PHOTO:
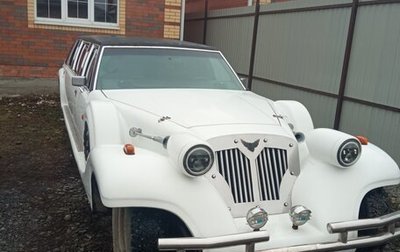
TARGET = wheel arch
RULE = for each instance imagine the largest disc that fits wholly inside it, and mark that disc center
(103, 121)
(296, 114)
(346, 187)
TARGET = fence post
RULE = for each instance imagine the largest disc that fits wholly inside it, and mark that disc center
(205, 21)
(253, 44)
(345, 66)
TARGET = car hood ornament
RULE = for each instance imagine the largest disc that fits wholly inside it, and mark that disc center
(250, 146)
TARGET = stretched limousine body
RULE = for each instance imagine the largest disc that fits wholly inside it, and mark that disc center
(165, 135)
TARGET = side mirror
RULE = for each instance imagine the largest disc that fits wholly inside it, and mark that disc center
(78, 81)
(245, 82)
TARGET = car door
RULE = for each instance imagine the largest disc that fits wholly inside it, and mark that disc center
(70, 71)
(76, 67)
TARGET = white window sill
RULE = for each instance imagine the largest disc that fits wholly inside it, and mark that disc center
(110, 26)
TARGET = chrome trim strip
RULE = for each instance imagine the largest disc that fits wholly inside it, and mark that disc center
(342, 228)
(339, 227)
(182, 244)
(370, 241)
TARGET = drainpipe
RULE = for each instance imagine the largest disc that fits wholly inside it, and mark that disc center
(182, 20)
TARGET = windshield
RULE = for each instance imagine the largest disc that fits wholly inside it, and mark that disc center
(138, 68)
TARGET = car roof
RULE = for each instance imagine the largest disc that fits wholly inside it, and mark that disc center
(137, 41)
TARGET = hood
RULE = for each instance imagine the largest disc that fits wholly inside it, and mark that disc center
(195, 107)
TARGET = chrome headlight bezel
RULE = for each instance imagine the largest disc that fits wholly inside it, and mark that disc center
(299, 215)
(257, 217)
(349, 147)
(191, 151)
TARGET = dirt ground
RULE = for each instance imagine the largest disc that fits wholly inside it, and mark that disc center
(43, 206)
(42, 202)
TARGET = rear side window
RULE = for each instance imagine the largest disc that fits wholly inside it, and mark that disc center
(71, 54)
(82, 59)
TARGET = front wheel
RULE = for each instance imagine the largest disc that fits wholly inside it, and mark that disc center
(375, 203)
(138, 229)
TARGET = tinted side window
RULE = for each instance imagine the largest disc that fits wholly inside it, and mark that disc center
(71, 54)
(80, 61)
(75, 56)
(89, 67)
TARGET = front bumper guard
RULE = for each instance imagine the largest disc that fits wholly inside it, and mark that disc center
(386, 224)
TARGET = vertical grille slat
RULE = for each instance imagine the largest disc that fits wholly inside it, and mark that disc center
(234, 166)
(271, 165)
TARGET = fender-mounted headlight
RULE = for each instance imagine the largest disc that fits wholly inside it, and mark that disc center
(334, 147)
(198, 160)
(349, 152)
(191, 155)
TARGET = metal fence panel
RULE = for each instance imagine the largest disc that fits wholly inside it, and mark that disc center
(321, 108)
(231, 11)
(374, 72)
(304, 49)
(379, 126)
(194, 31)
(300, 52)
(238, 31)
(290, 5)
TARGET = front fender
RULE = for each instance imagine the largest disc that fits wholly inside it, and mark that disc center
(148, 179)
(335, 194)
(105, 123)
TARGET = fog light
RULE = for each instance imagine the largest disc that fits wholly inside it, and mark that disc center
(299, 216)
(257, 218)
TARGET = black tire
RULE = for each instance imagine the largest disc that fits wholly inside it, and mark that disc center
(98, 208)
(375, 203)
(138, 229)
(86, 141)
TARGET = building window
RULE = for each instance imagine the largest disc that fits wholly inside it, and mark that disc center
(78, 8)
(48, 8)
(105, 11)
(102, 13)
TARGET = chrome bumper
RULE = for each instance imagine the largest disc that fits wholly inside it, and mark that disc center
(386, 223)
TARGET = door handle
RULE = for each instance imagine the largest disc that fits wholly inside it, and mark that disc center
(75, 92)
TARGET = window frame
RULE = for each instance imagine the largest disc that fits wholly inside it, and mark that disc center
(80, 22)
(103, 48)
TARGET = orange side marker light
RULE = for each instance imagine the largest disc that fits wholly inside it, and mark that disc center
(129, 149)
(363, 140)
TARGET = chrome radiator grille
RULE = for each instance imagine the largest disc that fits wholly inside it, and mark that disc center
(234, 166)
(271, 165)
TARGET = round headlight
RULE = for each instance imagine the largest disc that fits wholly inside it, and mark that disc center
(349, 152)
(198, 160)
(257, 217)
(299, 215)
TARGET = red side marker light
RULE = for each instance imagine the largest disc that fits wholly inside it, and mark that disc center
(129, 149)
(363, 140)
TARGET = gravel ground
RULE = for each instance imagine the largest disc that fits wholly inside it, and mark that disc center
(43, 206)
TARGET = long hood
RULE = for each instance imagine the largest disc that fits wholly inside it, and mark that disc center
(192, 108)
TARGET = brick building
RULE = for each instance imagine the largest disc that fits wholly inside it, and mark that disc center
(36, 35)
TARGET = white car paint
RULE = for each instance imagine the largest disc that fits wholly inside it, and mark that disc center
(151, 178)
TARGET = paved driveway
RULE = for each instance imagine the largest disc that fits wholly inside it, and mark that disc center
(19, 87)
